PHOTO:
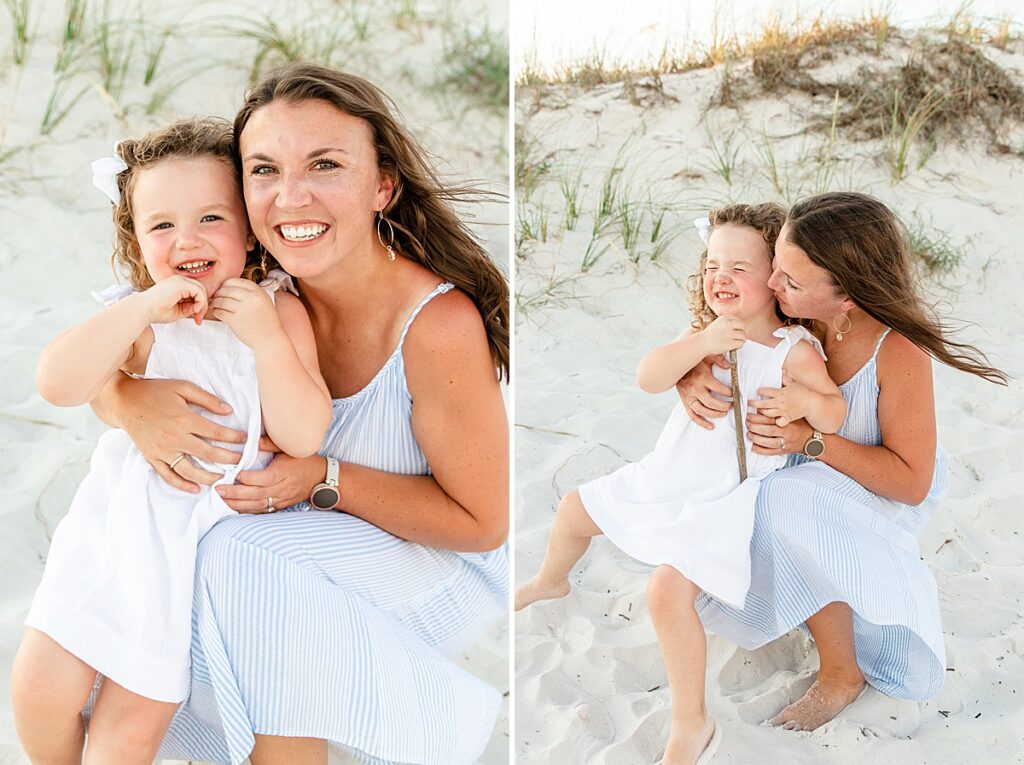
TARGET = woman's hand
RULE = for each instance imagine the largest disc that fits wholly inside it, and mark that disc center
(285, 481)
(695, 390)
(157, 417)
(771, 439)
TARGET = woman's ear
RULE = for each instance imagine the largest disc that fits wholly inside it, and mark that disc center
(847, 305)
(385, 187)
(250, 241)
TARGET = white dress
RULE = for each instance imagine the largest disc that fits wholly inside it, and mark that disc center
(117, 588)
(683, 504)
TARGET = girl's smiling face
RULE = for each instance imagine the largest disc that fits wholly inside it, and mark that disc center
(312, 184)
(190, 221)
(736, 272)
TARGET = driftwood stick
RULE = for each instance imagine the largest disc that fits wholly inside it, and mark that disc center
(737, 410)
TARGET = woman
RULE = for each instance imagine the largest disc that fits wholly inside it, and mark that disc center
(835, 536)
(319, 626)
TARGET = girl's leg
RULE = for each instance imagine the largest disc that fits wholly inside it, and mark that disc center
(126, 728)
(839, 681)
(49, 688)
(271, 750)
(670, 600)
(569, 539)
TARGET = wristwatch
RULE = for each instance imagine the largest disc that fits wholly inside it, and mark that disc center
(326, 495)
(815, 445)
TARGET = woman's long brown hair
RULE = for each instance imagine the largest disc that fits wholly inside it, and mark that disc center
(864, 246)
(427, 229)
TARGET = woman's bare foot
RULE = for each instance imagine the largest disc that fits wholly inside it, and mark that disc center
(687, 744)
(535, 590)
(826, 698)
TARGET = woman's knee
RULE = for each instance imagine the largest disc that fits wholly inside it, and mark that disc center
(667, 590)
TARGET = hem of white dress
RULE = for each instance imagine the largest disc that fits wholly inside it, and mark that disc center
(110, 655)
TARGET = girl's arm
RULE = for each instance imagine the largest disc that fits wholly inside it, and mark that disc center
(293, 396)
(460, 424)
(77, 364)
(663, 367)
(902, 467)
(807, 392)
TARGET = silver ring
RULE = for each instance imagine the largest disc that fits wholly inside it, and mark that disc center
(176, 460)
(270, 505)
(782, 443)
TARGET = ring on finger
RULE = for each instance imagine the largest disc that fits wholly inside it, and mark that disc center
(270, 505)
(782, 443)
(176, 460)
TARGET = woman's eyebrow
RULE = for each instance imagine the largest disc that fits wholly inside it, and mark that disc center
(311, 155)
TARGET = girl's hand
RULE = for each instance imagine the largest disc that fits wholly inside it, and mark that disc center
(177, 297)
(695, 390)
(785, 404)
(157, 417)
(246, 308)
(769, 438)
(726, 333)
(284, 482)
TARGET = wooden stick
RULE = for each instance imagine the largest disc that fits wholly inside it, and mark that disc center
(737, 410)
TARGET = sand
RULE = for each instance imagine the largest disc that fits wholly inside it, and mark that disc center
(58, 230)
(589, 681)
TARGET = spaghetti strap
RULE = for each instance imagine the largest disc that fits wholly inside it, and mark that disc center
(878, 345)
(440, 289)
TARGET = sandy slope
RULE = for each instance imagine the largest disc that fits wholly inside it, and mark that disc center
(58, 231)
(589, 681)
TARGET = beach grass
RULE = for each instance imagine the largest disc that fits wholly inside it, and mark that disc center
(475, 62)
(18, 10)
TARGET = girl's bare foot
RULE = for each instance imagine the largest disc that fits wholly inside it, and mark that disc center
(826, 698)
(535, 590)
(691, 745)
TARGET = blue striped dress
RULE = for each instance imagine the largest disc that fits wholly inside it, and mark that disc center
(820, 537)
(318, 624)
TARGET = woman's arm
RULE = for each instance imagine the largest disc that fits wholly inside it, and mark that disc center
(901, 468)
(664, 366)
(459, 421)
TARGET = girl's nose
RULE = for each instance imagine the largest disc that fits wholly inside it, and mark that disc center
(187, 239)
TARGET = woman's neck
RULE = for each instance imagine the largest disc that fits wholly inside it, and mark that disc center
(348, 284)
(860, 327)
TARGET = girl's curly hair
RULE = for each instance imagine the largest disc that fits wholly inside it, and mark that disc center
(766, 218)
(187, 138)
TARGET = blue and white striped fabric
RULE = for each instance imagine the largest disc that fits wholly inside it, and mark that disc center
(821, 537)
(321, 625)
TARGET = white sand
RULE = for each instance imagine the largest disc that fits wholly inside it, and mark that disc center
(58, 230)
(590, 684)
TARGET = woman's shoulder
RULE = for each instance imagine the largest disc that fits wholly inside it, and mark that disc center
(448, 319)
(898, 355)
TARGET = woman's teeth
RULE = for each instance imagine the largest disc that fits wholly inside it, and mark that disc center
(195, 266)
(302, 233)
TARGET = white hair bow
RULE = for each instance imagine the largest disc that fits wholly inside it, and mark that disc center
(104, 175)
(703, 226)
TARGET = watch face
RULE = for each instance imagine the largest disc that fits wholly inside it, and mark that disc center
(814, 448)
(324, 497)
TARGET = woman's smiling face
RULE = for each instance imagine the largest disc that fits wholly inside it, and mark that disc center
(312, 184)
(804, 289)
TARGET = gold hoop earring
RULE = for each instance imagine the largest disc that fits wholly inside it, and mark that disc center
(390, 246)
(263, 261)
(845, 330)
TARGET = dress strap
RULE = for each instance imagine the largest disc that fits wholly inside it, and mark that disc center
(440, 289)
(878, 345)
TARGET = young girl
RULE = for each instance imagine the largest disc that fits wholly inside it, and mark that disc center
(116, 595)
(683, 507)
